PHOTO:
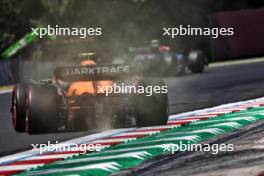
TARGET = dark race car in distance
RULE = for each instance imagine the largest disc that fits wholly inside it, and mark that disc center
(161, 60)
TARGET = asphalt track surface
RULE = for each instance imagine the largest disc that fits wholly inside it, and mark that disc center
(217, 86)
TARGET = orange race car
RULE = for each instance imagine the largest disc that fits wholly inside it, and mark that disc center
(77, 98)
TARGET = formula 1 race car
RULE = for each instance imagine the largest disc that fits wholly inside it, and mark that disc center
(46, 106)
(163, 61)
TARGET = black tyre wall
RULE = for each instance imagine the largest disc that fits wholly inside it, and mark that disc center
(42, 115)
(196, 61)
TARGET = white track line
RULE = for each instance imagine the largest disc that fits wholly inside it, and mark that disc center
(18, 167)
(43, 157)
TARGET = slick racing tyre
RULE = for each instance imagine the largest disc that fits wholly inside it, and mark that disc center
(42, 109)
(151, 110)
(197, 61)
(18, 108)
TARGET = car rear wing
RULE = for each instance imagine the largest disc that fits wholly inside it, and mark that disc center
(95, 72)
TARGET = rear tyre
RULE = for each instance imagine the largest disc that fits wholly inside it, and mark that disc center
(152, 110)
(42, 109)
(197, 62)
(18, 108)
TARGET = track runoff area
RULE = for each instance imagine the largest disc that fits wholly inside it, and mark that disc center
(126, 148)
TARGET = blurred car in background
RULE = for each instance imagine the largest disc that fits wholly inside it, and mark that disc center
(162, 60)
